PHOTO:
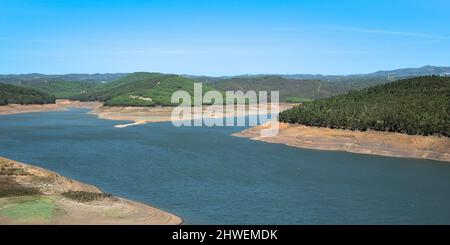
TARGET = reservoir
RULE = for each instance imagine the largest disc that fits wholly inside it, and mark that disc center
(207, 176)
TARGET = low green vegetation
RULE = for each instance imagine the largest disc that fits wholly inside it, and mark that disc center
(129, 100)
(29, 208)
(418, 105)
(11, 94)
(83, 196)
(297, 100)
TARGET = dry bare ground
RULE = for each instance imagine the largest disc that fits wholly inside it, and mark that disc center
(32, 195)
(60, 105)
(368, 142)
(141, 115)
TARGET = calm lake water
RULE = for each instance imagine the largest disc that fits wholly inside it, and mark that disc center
(207, 176)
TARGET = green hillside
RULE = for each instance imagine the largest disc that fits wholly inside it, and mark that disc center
(418, 105)
(141, 89)
(63, 89)
(290, 89)
(11, 94)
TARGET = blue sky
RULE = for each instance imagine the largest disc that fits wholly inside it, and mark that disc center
(222, 37)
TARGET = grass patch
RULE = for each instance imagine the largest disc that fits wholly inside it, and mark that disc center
(113, 213)
(297, 100)
(29, 208)
(84, 196)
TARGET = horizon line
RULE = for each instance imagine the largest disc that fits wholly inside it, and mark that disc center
(235, 75)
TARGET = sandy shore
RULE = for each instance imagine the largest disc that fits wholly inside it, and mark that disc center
(138, 115)
(32, 195)
(130, 124)
(142, 115)
(60, 105)
(369, 142)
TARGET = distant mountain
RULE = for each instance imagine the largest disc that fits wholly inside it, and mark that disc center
(295, 88)
(36, 77)
(108, 77)
(301, 87)
(291, 90)
(389, 74)
(11, 94)
(419, 105)
(413, 72)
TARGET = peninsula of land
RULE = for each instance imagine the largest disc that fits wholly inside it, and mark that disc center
(405, 118)
(142, 115)
(32, 195)
(367, 142)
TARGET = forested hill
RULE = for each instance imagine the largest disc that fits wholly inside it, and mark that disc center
(11, 94)
(141, 89)
(418, 105)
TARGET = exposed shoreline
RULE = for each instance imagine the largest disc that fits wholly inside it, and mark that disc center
(368, 142)
(60, 105)
(137, 115)
(48, 188)
(142, 115)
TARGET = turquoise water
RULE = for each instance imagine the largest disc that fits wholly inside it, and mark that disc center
(207, 176)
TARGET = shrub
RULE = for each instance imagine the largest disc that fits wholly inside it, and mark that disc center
(84, 196)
